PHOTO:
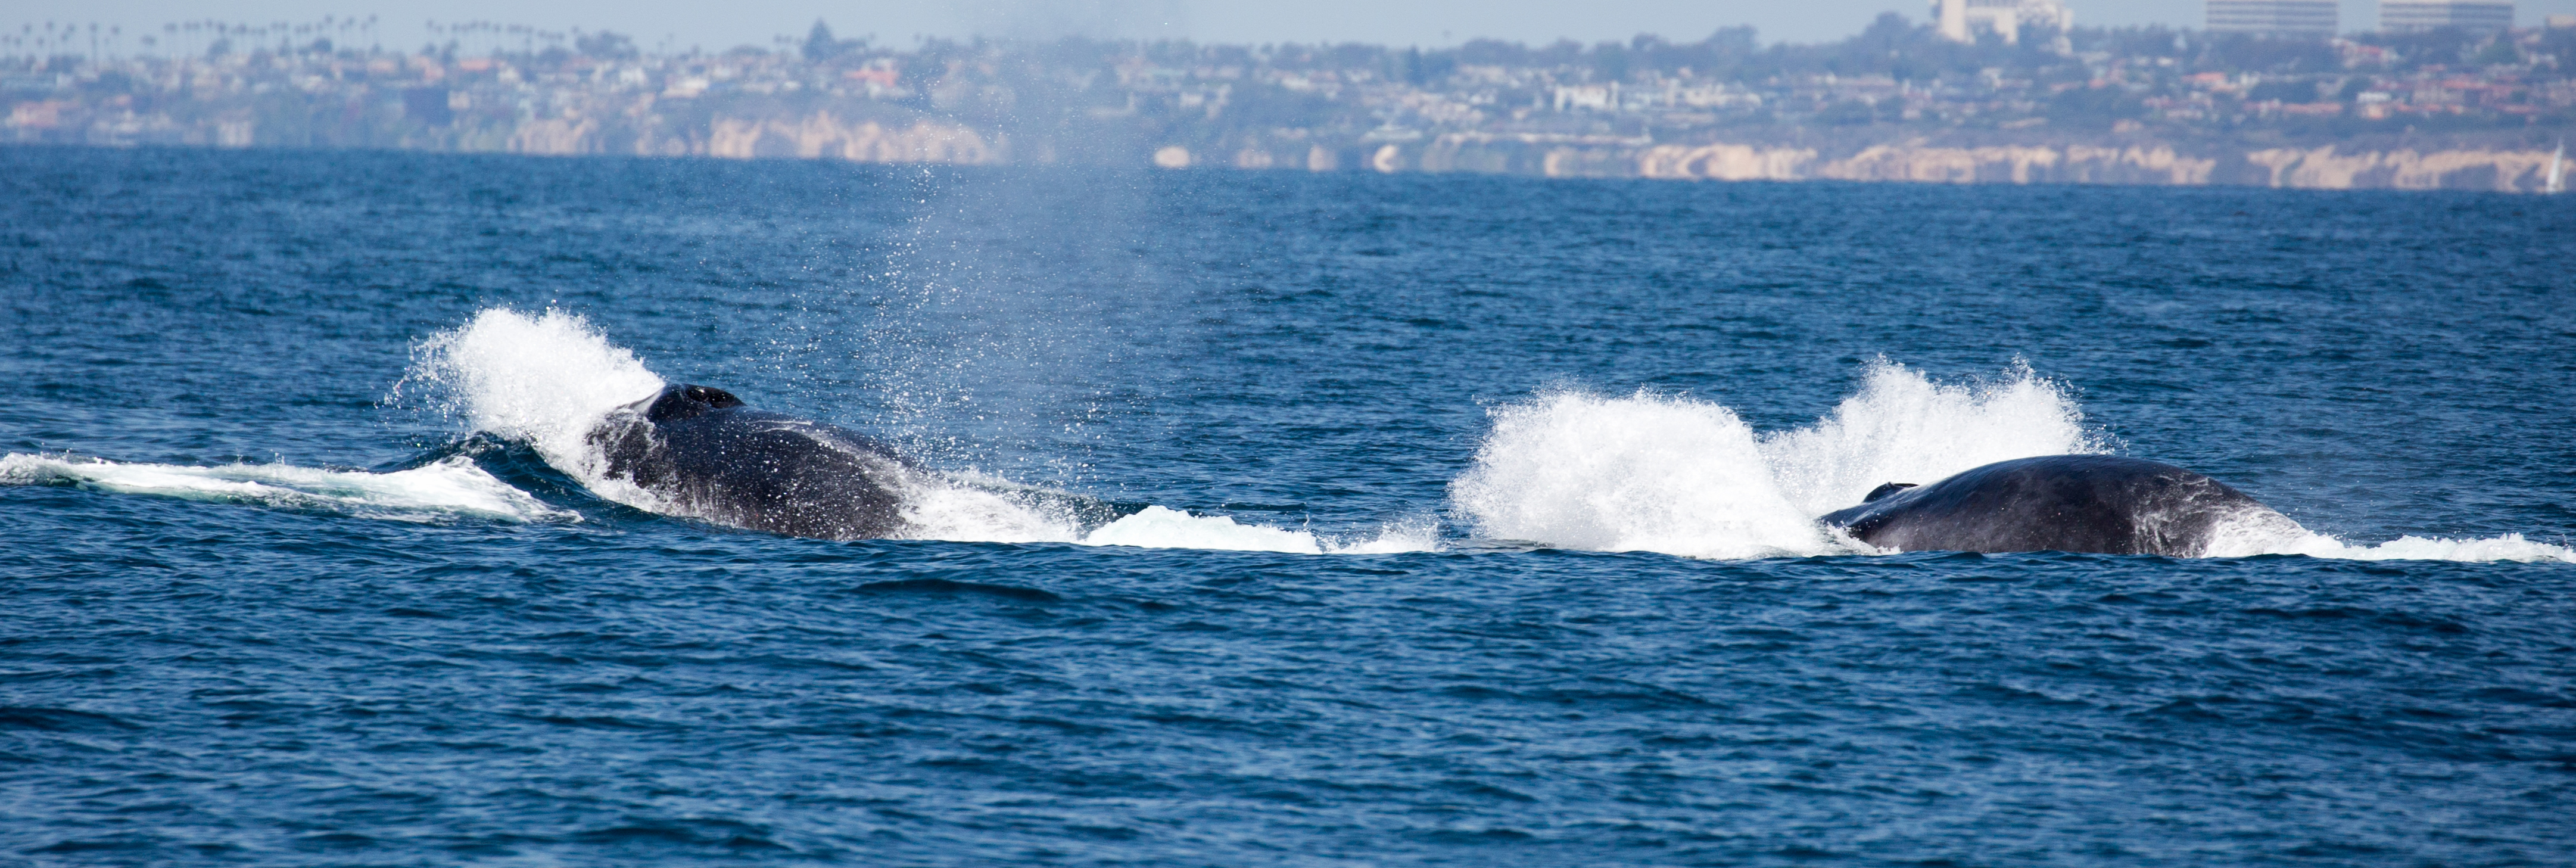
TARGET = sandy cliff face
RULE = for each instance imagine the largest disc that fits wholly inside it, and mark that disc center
(555, 136)
(1921, 161)
(818, 136)
(1725, 163)
(2324, 168)
(2019, 164)
(1929, 160)
(821, 135)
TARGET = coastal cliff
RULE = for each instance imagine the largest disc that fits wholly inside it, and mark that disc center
(820, 135)
(1898, 102)
(2328, 167)
(865, 133)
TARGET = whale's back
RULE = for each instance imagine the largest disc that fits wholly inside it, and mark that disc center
(704, 454)
(2075, 503)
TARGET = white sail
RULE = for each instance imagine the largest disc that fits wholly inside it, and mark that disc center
(2557, 170)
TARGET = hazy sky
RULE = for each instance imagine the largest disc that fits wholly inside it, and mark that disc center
(719, 25)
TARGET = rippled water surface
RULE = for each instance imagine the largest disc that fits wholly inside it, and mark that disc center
(1283, 519)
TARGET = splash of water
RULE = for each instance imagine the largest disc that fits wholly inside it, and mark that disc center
(1645, 472)
(1902, 426)
(543, 380)
(1685, 476)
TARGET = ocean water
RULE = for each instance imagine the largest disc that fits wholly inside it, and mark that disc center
(1267, 519)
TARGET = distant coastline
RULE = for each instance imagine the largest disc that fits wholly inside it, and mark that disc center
(2442, 110)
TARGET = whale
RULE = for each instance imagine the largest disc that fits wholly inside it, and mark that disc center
(699, 451)
(2070, 503)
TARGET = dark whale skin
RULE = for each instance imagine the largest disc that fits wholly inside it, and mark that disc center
(2068, 503)
(706, 455)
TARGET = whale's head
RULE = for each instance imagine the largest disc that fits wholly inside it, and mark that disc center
(680, 401)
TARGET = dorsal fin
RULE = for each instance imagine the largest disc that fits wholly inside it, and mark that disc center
(711, 396)
(689, 401)
(1884, 490)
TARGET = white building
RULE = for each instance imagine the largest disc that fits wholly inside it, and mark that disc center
(2294, 18)
(2485, 16)
(1597, 97)
(1960, 20)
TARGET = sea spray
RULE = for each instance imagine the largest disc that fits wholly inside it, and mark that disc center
(1646, 472)
(1902, 426)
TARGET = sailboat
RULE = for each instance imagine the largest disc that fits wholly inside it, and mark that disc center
(2557, 181)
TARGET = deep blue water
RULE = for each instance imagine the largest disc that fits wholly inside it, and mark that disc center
(334, 676)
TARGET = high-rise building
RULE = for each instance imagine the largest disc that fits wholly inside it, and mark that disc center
(2295, 18)
(1959, 20)
(2484, 16)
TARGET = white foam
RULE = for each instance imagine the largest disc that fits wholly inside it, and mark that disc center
(449, 488)
(2509, 547)
(2281, 536)
(974, 508)
(1162, 527)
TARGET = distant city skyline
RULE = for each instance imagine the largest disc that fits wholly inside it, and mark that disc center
(669, 26)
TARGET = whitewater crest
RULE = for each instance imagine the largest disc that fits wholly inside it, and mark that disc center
(451, 487)
(549, 379)
(1686, 476)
